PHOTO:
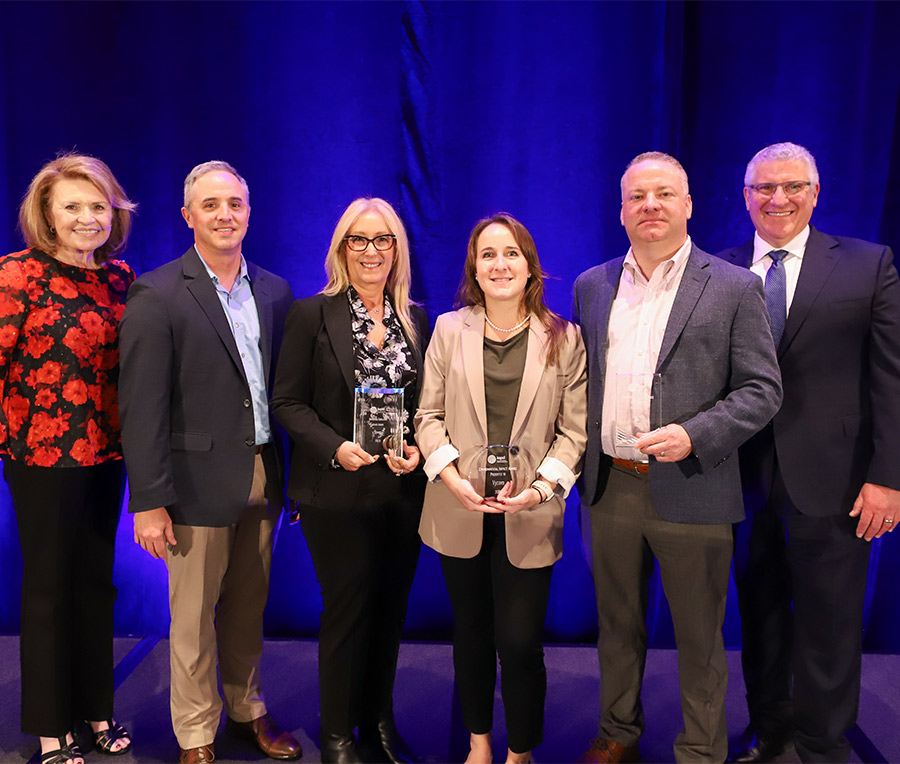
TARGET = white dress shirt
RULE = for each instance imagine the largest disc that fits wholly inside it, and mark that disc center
(637, 323)
(792, 261)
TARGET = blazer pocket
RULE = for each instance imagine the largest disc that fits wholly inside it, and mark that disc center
(190, 441)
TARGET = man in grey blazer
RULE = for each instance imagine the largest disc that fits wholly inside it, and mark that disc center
(691, 335)
(199, 343)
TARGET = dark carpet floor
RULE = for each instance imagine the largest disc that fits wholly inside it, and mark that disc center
(424, 704)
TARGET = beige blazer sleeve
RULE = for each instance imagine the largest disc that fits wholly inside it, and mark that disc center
(549, 427)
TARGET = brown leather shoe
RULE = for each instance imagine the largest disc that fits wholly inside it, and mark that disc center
(273, 741)
(603, 750)
(200, 755)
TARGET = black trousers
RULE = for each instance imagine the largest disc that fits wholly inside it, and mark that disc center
(67, 520)
(801, 585)
(365, 559)
(499, 609)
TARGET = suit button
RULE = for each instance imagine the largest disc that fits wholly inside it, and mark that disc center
(250, 441)
(597, 424)
(246, 403)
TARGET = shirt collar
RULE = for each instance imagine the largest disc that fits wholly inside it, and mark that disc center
(796, 246)
(243, 274)
(667, 269)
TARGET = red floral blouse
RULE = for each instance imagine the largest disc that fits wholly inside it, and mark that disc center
(59, 360)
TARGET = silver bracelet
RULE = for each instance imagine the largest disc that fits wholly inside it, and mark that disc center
(544, 489)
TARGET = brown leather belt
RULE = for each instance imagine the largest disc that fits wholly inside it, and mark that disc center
(642, 468)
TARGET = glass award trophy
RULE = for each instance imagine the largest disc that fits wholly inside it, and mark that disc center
(378, 419)
(489, 468)
(638, 406)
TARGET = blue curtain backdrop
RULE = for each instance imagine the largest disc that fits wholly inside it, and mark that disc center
(450, 111)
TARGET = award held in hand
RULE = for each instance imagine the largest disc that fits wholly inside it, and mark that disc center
(378, 419)
(489, 468)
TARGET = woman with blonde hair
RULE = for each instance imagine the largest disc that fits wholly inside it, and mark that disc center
(504, 383)
(60, 304)
(359, 509)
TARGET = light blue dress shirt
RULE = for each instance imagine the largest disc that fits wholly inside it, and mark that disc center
(243, 318)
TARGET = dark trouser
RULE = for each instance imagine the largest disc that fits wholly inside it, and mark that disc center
(694, 563)
(365, 559)
(67, 521)
(780, 556)
(499, 609)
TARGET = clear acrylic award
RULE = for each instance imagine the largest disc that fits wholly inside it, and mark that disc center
(489, 468)
(378, 419)
(638, 406)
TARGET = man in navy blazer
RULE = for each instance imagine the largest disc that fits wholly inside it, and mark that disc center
(670, 309)
(199, 343)
(822, 479)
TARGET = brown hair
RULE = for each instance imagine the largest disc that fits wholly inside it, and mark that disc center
(470, 292)
(400, 277)
(33, 220)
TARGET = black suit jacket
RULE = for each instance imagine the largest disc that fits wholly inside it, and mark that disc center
(187, 418)
(839, 424)
(313, 396)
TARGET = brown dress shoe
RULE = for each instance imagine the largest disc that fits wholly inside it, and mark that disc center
(273, 741)
(603, 750)
(200, 755)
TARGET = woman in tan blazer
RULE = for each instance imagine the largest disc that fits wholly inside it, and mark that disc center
(503, 369)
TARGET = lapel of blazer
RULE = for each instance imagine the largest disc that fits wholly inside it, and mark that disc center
(692, 284)
(472, 346)
(819, 259)
(200, 285)
(743, 255)
(535, 359)
(612, 274)
(336, 314)
(259, 283)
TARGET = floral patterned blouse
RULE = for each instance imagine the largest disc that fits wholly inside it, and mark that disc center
(59, 360)
(390, 366)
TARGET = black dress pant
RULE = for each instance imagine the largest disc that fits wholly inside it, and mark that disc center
(365, 559)
(499, 609)
(801, 583)
(67, 520)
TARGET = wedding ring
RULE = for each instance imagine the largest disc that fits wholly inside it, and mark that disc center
(889, 521)
(662, 453)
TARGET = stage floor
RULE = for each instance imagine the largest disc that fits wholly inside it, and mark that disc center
(424, 704)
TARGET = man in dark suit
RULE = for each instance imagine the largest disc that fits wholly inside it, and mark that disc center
(822, 479)
(199, 343)
(667, 308)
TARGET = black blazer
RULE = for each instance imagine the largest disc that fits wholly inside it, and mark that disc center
(313, 397)
(187, 419)
(839, 425)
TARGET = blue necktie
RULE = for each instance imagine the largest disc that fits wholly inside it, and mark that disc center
(776, 294)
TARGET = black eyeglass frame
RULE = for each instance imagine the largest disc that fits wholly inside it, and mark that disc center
(371, 241)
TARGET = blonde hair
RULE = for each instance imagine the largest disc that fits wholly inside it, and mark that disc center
(33, 221)
(400, 277)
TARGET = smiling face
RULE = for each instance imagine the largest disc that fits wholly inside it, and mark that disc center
(779, 218)
(81, 215)
(501, 269)
(655, 207)
(369, 270)
(219, 214)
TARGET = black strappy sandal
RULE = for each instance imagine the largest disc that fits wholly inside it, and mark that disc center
(105, 739)
(65, 752)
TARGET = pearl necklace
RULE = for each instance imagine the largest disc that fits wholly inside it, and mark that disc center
(505, 331)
